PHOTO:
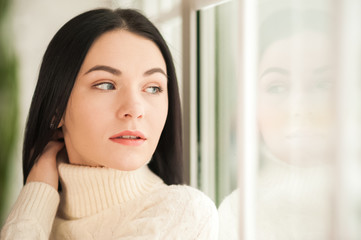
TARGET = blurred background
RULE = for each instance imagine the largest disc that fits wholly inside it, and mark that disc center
(271, 97)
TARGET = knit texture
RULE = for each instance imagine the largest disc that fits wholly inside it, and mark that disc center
(103, 203)
(32, 213)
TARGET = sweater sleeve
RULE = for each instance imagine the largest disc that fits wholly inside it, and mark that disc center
(33, 213)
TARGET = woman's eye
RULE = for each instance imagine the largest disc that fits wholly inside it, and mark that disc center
(153, 90)
(277, 89)
(105, 86)
(324, 85)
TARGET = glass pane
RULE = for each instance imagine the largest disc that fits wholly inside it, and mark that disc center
(309, 124)
(216, 83)
(349, 151)
(226, 101)
(296, 116)
(304, 134)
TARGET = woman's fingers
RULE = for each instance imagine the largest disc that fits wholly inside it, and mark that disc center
(62, 156)
(45, 169)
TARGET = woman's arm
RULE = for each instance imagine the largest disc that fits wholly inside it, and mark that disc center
(34, 211)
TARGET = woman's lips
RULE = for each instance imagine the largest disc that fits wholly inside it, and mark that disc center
(129, 138)
(304, 135)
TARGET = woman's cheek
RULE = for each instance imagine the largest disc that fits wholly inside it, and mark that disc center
(271, 118)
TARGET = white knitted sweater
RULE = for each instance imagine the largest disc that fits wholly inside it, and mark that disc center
(102, 203)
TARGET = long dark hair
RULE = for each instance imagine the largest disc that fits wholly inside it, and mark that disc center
(60, 66)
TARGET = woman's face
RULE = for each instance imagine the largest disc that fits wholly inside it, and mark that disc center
(119, 103)
(296, 114)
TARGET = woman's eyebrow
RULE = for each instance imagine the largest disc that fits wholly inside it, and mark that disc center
(155, 70)
(105, 68)
(322, 69)
(276, 70)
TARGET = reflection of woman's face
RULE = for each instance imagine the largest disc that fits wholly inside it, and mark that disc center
(295, 112)
(119, 103)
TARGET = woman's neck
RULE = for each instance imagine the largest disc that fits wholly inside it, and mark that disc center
(88, 190)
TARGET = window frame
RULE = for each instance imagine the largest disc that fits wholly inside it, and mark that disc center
(190, 71)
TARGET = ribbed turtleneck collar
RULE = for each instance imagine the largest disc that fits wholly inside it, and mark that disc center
(89, 190)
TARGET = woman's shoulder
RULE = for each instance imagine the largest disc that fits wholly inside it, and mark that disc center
(190, 210)
(190, 199)
(185, 193)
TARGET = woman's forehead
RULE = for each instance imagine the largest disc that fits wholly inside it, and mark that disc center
(121, 49)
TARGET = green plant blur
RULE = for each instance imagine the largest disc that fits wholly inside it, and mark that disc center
(8, 104)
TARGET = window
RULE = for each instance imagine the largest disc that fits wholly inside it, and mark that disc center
(296, 123)
(216, 101)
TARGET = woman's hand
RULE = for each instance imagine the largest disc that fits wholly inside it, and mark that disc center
(45, 169)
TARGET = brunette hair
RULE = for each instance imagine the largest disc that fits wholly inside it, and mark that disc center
(286, 22)
(60, 66)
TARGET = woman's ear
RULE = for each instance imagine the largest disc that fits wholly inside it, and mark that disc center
(61, 123)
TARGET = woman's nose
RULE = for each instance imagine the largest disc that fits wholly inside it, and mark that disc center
(301, 106)
(131, 107)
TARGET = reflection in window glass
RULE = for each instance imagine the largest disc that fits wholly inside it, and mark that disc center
(309, 124)
(296, 119)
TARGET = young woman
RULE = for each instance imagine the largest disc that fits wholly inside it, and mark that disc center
(107, 87)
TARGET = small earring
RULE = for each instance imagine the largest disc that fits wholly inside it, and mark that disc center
(52, 126)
